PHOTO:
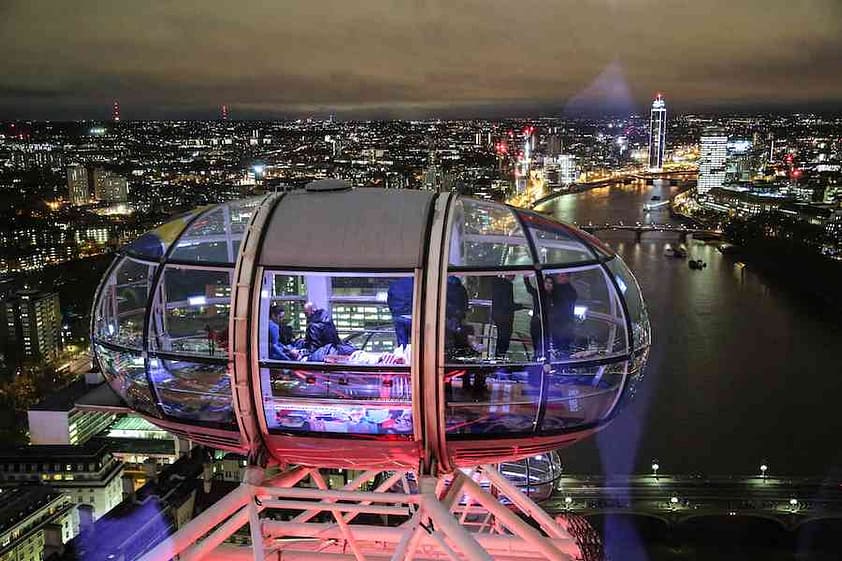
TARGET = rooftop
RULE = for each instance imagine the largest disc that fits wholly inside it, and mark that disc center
(89, 451)
(65, 398)
(17, 503)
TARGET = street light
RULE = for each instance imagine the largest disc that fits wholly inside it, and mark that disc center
(655, 468)
(673, 502)
(793, 503)
(763, 468)
(567, 502)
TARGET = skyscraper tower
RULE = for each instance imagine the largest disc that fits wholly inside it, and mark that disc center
(223, 112)
(115, 112)
(712, 158)
(657, 134)
(77, 185)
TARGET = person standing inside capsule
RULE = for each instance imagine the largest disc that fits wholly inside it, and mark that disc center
(503, 308)
(552, 330)
(399, 300)
(561, 314)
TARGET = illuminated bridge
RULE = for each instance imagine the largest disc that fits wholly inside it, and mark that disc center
(640, 229)
(791, 502)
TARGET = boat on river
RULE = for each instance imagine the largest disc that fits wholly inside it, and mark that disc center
(679, 252)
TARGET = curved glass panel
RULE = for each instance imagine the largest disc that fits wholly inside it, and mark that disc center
(637, 371)
(581, 396)
(215, 236)
(486, 235)
(121, 308)
(348, 312)
(492, 400)
(126, 374)
(630, 292)
(190, 311)
(490, 317)
(535, 476)
(583, 318)
(554, 242)
(154, 244)
(193, 392)
(307, 399)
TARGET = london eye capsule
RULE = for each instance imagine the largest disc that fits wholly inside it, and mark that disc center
(370, 328)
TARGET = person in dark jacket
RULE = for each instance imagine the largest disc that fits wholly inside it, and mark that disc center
(455, 312)
(552, 329)
(399, 299)
(321, 330)
(503, 308)
(562, 314)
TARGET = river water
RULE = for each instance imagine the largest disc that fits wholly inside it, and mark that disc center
(741, 370)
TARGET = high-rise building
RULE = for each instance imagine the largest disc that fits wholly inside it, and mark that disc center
(657, 133)
(739, 161)
(554, 145)
(223, 112)
(115, 112)
(33, 322)
(77, 185)
(109, 187)
(560, 170)
(712, 157)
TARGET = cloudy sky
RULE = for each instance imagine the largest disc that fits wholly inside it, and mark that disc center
(405, 58)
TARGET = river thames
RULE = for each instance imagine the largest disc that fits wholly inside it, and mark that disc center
(741, 371)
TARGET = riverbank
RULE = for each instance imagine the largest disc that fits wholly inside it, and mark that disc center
(806, 273)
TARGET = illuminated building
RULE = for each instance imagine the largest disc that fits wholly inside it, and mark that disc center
(223, 112)
(115, 112)
(35, 522)
(88, 473)
(739, 161)
(450, 390)
(57, 419)
(713, 152)
(561, 170)
(657, 134)
(77, 185)
(33, 321)
(109, 187)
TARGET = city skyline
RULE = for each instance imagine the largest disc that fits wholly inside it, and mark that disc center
(407, 61)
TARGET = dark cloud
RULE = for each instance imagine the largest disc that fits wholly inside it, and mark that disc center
(393, 58)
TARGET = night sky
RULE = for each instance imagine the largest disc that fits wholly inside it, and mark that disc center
(68, 59)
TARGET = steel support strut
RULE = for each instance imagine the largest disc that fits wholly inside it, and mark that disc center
(457, 516)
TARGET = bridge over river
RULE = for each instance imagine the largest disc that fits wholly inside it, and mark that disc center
(790, 502)
(639, 229)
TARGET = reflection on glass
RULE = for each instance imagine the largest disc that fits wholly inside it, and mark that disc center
(154, 244)
(215, 236)
(193, 392)
(333, 317)
(486, 235)
(345, 384)
(122, 304)
(488, 401)
(489, 317)
(581, 396)
(190, 312)
(582, 319)
(374, 419)
(554, 242)
(641, 332)
(126, 374)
